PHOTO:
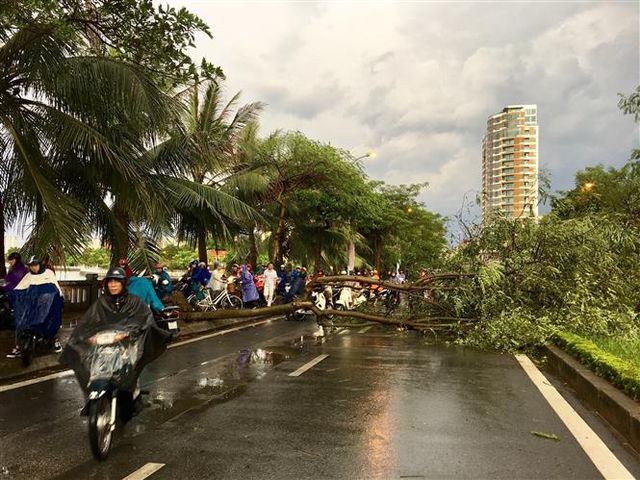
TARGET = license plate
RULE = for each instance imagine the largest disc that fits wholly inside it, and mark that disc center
(173, 325)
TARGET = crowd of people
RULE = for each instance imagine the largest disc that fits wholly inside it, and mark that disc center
(267, 285)
(26, 282)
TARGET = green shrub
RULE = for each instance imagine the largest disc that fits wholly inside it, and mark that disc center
(619, 372)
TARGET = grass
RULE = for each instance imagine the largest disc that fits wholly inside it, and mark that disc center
(626, 348)
(622, 372)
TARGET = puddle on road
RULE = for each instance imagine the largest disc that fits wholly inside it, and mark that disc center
(217, 383)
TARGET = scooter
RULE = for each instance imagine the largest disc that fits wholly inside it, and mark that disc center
(6, 313)
(31, 344)
(111, 361)
(167, 319)
(344, 298)
(319, 300)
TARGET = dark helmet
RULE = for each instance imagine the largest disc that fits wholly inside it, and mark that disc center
(116, 273)
(34, 261)
(14, 256)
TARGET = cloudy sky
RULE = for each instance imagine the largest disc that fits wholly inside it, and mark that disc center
(416, 81)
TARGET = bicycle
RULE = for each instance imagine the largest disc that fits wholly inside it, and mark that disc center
(222, 300)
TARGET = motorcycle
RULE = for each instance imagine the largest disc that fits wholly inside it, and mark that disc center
(112, 357)
(159, 285)
(167, 319)
(319, 299)
(344, 298)
(6, 312)
(32, 343)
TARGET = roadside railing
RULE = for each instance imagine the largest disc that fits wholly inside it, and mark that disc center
(79, 295)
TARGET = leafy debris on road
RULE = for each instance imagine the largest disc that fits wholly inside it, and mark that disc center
(548, 436)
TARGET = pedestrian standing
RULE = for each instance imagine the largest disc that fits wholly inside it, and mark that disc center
(282, 280)
(249, 291)
(270, 283)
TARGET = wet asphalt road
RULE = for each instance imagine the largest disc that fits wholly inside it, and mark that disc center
(381, 405)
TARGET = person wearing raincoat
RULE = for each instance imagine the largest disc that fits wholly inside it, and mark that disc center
(282, 280)
(37, 304)
(249, 290)
(116, 308)
(143, 288)
(123, 263)
(164, 284)
(199, 279)
(17, 270)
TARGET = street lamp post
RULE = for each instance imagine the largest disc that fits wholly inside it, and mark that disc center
(351, 249)
(370, 154)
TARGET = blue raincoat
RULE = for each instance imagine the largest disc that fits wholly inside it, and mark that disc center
(143, 288)
(37, 304)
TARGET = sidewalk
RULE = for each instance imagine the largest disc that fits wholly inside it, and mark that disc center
(11, 369)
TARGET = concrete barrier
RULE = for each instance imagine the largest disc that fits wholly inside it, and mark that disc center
(619, 410)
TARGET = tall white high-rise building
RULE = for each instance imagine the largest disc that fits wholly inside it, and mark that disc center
(510, 163)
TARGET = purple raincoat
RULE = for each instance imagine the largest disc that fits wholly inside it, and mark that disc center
(14, 276)
(249, 290)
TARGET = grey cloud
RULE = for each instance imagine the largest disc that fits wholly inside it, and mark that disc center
(306, 104)
(416, 82)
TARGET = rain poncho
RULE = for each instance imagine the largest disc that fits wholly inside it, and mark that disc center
(145, 343)
(16, 273)
(249, 290)
(37, 303)
(143, 288)
(201, 275)
(282, 280)
(164, 290)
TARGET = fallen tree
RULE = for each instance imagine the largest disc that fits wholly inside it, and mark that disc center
(398, 320)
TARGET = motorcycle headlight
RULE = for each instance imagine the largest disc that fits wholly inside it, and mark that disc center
(107, 338)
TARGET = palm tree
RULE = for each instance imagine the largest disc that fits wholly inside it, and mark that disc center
(72, 127)
(209, 134)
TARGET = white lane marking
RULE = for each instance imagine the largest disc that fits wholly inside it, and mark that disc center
(308, 365)
(53, 376)
(365, 329)
(26, 383)
(222, 332)
(604, 460)
(145, 471)
(346, 330)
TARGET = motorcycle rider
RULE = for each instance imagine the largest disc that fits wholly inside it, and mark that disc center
(28, 307)
(297, 286)
(17, 270)
(123, 263)
(116, 306)
(164, 286)
(143, 288)
(199, 279)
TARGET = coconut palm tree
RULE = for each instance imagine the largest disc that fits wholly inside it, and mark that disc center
(209, 134)
(62, 112)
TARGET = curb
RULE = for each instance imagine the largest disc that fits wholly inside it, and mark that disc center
(620, 411)
(48, 364)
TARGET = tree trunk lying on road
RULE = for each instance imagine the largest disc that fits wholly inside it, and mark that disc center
(340, 280)
(420, 285)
